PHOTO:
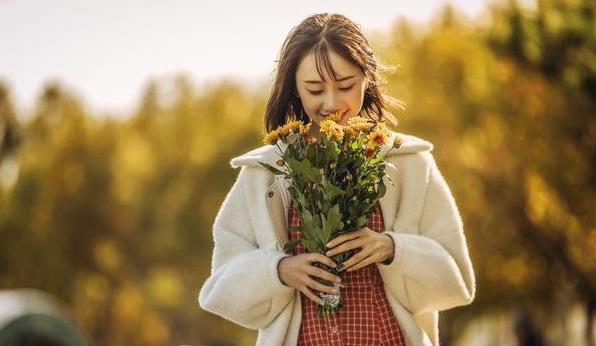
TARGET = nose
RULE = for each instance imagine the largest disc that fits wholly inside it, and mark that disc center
(331, 103)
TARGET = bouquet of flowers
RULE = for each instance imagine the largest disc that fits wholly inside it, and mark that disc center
(335, 178)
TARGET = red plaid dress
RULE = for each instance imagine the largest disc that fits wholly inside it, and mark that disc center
(366, 317)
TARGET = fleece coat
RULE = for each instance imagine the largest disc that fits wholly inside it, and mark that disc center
(430, 272)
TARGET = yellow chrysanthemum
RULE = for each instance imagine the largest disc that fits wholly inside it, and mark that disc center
(350, 132)
(272, 137)
(376, 138)
(282, 131)
(398, 142)
(359, 124)
(305, 129)
(332, 129)
(383, 127)
(334, 117)
(357, 120)
(291, 127)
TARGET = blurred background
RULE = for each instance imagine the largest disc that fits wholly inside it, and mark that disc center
(118, 119)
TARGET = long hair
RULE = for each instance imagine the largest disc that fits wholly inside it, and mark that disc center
(319, 33)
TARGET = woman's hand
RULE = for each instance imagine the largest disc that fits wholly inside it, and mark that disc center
(296, 271)
(376, 247)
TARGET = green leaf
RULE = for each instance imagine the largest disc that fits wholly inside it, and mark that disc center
(301, 199)
(305, 169)
(311, 152)
(331, 191)
(331, 152)
(382, 190)
(310, 225)
(361, 221)
(331, 224)
(271, 168)
(312, 245)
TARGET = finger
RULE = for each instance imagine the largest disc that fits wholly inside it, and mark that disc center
(308, 293)
(349, 245)
(343, 238)
(318, 257)
(367, 261)
(320, 287)
(355, 259)
(323, 274)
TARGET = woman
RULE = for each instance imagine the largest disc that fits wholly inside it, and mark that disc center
(411, 260)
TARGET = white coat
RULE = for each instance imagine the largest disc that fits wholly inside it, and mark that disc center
(431, 270)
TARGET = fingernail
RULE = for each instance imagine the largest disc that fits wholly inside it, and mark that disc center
(327, 254)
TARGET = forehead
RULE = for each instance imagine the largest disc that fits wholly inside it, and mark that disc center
(313, 67)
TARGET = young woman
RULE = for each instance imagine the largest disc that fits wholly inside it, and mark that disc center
(411, 260)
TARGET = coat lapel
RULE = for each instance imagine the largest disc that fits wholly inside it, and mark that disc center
(277, 205)
(388, 202)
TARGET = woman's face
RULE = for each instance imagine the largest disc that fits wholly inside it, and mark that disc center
(322, 98)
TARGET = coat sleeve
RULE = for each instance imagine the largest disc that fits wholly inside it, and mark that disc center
(244, 286)
(431, 270)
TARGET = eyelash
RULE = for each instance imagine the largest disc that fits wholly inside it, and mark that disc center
(319, 92)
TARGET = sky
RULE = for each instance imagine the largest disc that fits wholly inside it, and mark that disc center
(106, 51)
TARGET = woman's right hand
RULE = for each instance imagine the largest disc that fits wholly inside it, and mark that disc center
(296, 271)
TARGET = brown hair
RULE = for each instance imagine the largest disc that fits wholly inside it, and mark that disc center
(319, 33)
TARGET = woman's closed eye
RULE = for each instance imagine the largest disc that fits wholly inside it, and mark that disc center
(318, 92)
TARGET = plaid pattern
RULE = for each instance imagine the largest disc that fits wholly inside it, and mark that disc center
(365, 318)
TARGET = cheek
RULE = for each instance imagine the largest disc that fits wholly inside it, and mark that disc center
(310, 103)
(356, 97)
(311, 106)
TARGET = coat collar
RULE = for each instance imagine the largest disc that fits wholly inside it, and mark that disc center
(271, 153)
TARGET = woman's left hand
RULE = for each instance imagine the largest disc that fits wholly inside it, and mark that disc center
(375, 247)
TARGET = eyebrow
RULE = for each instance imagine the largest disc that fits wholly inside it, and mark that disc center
(320, 81)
